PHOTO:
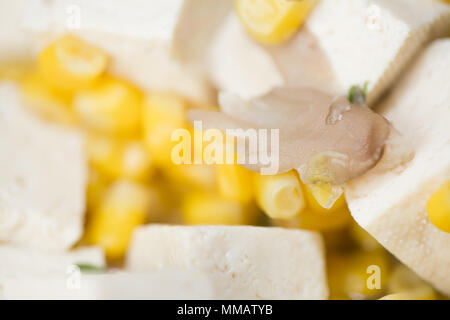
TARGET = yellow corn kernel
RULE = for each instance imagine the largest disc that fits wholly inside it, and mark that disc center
(97, 185)
(235, 182)
(163, 113)
(438, 208)
(421, 293)
(117, 158)
(203, 208)
(314, 205)
(123, 207)
(359, 275)
(70, 64)
(362, 238)
(47, 102)
(318, 221)
(194, 176)
(279, 196)
(110, 106)
(272, 21)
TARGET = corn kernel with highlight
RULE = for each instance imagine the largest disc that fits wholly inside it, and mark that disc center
(47, 102)
(235, 182)
(112, 106)
(279, 196)
(124, 206)
(438, 208)
(117, 158)
(163, 113)
(358, 275)
(273, 21)
(71, 64)
(207, 208)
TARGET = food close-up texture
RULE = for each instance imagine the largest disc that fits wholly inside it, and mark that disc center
(104, 169)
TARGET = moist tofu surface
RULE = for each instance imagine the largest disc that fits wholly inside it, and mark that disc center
(150, 42)
(42, 178)
(22, 262)
(252, 262)
(373, 40)
(392, 205)
(238, 64)
(168, 284)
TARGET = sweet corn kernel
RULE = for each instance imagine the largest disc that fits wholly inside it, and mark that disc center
(97, 185)
(279, 196)
(110, 106)
(421, 293)
(438, 208)
(235, 182)
(203, 208)
(117, 158)
(272, 21)
(47, 102)
(123, 207)
(194, 176)
(356, 276)
(163, 113)
(314, 205)
(70, 64)
(318, 221)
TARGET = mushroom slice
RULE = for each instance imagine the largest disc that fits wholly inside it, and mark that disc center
(328, 140)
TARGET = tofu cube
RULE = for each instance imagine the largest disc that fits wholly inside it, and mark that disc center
(248, 262)
(42, 178)
(168, 284)
(391, 205)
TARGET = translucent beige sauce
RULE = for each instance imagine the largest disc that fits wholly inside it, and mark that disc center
(318, 132)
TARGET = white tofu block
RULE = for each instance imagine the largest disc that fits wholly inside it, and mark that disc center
(42, 178)
(251, 262)
(15, 44)
(342, 43)
(237, 64)
(373, 40)
(157, 44)
(19, 262)
(392, 205)
(169, 284)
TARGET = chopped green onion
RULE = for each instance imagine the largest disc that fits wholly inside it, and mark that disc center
(86, 267)
(356, 94)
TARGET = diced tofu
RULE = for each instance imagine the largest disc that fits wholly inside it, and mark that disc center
(42, 178)
(151, 42)
(168, 284)
(19, 262)
(252, 262)
(342, 43)
(392, 205)
(373, 40)
(239, 65)
(14, 43)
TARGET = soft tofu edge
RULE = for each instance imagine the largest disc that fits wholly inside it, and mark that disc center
(392, 205)
(43, 176)
(253, 262)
